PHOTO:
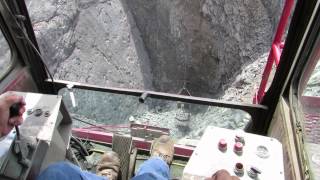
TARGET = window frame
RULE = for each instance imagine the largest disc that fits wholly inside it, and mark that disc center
(298, 83)
(19, 32)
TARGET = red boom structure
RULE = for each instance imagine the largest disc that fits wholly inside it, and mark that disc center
(275, 51)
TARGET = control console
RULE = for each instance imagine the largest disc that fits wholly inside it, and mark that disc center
(245, 155)
(42, 138)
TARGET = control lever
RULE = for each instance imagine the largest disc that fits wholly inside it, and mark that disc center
(14, 111)
(20, 147)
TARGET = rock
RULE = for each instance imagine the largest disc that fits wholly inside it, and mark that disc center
(247, 82)
(313, 84)
(5, 55)
(90, 42)
(213, 39)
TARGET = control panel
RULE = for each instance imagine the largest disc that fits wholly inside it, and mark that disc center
(245, 155)
(41, 139)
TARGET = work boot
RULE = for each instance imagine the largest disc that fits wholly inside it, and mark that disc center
(109, 165)
(163, 147)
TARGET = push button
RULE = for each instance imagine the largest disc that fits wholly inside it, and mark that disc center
(238, 148)
(222, 145)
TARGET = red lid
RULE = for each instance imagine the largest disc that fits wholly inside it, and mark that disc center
(238, 146)
(222, 144)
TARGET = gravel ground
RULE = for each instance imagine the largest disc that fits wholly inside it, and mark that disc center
(245, 85)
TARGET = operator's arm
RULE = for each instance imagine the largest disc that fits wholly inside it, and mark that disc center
(6, 101)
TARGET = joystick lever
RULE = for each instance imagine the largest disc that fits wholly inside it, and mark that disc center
(20, 147)
(14, 111)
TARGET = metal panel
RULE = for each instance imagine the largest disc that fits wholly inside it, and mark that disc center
(44, 138)
(281, 129)
(142, 144)
(258, 153)
(122, 145)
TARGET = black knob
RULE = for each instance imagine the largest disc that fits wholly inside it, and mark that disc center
(14, 110)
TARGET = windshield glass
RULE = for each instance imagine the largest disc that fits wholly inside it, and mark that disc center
(214, 49)
(309, 87)
(115, 112)
(5, 55)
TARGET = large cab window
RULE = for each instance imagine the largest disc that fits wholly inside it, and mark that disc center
(310, 111)
(190, 48)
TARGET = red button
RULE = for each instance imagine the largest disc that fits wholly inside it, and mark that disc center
(238, 147)
(222, 145)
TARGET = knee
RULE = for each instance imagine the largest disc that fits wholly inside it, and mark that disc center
(60, 170)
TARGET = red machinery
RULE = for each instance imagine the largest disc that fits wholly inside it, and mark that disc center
(275, 51)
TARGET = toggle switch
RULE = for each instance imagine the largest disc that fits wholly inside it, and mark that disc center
(253, 172)
(239, 138)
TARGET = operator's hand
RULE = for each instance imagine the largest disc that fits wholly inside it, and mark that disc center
(6, 101)
(222, 175)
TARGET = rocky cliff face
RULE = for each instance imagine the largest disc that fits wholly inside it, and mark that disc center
(203, 42)
(90, 41)
(313, 84)
(5, 54)
(153, 44)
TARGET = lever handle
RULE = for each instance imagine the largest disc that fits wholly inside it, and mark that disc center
(14, 110)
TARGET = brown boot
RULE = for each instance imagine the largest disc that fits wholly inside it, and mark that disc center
(163, 147)
(109, 165)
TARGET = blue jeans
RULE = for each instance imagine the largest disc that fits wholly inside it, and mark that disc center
(152, 169)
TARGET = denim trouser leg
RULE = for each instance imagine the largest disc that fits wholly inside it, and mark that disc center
(153, 169)
(67, 171)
